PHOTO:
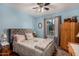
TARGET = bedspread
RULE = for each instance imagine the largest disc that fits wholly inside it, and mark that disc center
(27, 48)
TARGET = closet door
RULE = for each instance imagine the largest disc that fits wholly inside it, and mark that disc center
(65, 35)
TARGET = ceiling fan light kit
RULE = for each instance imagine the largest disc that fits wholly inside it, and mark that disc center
(42, 7)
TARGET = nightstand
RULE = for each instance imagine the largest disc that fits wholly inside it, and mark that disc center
(5, 50)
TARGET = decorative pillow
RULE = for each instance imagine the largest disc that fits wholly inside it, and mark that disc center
(29, 36)
(18, 37)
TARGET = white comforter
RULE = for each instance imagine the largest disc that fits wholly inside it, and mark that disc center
(43, 44)
(32, 47)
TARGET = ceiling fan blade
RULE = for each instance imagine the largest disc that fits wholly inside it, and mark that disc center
(39, 3)
(34, 7)
(46, 8)
(46, 4)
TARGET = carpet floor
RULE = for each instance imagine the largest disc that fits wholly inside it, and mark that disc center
(61, 52)
(58, 52)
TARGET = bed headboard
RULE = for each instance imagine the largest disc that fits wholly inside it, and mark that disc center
(20, 31)
(17, 31)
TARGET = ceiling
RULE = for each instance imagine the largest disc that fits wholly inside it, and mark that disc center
(54, 7)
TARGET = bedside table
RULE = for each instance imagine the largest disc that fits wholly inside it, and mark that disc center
(5, 50)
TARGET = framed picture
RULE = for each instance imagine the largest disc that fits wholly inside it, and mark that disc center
(39, 25)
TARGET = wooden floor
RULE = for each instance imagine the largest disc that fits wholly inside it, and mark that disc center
(61, 52)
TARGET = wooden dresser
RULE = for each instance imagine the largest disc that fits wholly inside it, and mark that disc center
(69, 31)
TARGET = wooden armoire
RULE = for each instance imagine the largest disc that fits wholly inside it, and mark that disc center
(69, 30)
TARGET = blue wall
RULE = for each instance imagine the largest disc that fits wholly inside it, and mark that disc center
(39, 31)
(63, 14)
(12, 18)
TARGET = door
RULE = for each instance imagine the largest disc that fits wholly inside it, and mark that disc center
(49, 28)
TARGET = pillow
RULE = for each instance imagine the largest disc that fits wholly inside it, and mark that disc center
(29, 36)
(19, 38)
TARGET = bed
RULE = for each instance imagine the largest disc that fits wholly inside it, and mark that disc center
(73, 49)
(34, 46)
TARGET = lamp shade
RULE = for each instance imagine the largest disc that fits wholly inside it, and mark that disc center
(4, 36)
(77, 35)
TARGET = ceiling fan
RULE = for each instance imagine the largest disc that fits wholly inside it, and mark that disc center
(42, 6)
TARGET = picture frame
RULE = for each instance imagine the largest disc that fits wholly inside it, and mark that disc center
(39, 25)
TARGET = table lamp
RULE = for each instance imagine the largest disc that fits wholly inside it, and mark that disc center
(4, 40)
(77, 35)
(4, 36)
